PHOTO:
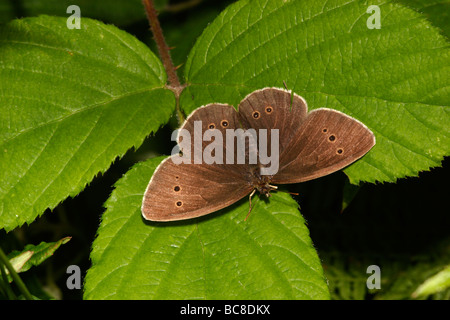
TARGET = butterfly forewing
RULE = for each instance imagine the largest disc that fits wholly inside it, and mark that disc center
(214, 120)
(273, 108)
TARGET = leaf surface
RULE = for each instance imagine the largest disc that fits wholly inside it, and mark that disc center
(394, 79)
(34, 255)
(71, 101)
(219, 256)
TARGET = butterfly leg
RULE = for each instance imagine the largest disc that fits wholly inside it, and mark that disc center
(271, 188)
(250, 203)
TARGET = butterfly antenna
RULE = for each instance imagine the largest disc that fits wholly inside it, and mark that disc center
(250, 204)
(293, 193)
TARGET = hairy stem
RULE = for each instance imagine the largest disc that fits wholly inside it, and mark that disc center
(163, 49)
(164, 54)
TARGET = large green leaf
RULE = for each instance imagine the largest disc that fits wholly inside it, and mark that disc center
(220, 256)
(71, 101)
(393, 79)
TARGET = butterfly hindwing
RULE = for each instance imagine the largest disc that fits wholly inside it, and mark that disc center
(327, 141)
(184, 191)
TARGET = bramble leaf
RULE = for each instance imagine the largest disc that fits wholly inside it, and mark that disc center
(219, 256)
(71, 101)
(393, 79)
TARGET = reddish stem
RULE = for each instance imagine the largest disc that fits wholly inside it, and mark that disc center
(163, 49)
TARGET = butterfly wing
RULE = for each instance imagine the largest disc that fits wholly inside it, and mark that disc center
(327, 141)
(273, 108)
(184, 191)
(214, 118)
(189, 190)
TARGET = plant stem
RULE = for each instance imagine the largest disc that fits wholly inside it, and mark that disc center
(4, 284)
(19, 283)
(163, 49)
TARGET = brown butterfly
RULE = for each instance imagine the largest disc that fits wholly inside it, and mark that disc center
(310, 145)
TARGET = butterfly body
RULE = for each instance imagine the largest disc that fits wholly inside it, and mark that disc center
(260, 182)
(302, 146)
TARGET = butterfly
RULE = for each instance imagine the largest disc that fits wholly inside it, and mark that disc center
(310, 145)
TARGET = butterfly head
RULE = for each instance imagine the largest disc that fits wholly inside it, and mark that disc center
(261, 182)
(265, 189)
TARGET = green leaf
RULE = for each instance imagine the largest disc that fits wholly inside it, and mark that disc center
(71, 101)
(182, 41)
(33, 255)
(349, 192)
(19, 260)
(434, 284)
(394, 79)
(39, 253)
(219, 256)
